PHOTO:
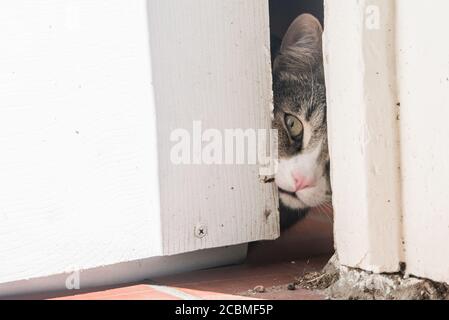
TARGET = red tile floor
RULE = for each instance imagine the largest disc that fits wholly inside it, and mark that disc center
(304, 248)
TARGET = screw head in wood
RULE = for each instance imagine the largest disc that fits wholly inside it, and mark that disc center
(200, 231)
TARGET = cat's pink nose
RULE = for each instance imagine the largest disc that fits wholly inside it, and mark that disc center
(301, 182)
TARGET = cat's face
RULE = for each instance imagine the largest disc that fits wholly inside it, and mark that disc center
(300, 117)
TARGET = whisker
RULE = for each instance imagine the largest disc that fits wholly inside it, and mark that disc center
(321, 209)
(329, 219)
(328, 207)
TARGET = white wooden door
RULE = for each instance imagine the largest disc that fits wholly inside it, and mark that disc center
(211, 65)
(90, 92)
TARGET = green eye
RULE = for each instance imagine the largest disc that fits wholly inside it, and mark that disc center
(294, 126)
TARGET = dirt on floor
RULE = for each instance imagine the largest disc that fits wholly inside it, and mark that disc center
(361, 285)
(354, 284)
(338, 282)
(317, 280)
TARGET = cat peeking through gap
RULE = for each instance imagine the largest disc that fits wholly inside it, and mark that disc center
(300, 118)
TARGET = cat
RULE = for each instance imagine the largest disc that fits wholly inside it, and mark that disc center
(300, 118)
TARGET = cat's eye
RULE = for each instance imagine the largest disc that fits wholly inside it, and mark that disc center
(294, 126)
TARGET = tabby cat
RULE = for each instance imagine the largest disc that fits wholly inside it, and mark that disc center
(300, 118)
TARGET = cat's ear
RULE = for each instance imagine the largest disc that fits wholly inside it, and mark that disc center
(301, 48)
(306, 30)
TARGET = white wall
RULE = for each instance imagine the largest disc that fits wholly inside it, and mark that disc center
(89, 93)
(363, 135)
(388, 80)
(423, 61)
